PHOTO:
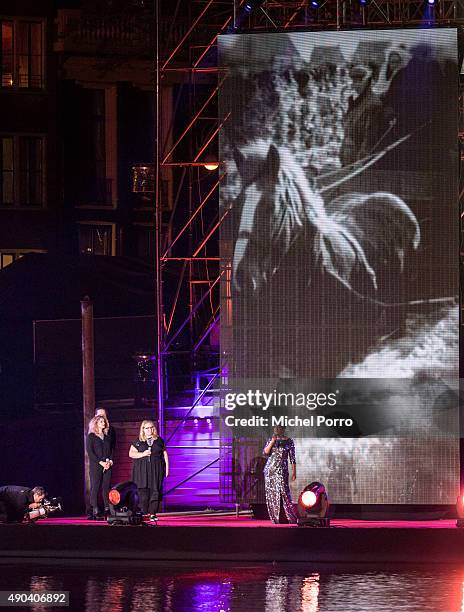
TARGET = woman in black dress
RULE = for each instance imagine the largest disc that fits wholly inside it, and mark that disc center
(100, 462)
(150, 467)
(110, 431)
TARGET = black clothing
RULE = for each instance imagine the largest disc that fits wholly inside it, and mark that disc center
(148, 474)
(99, 450)
(112, 438)
(14, 503)
(99, 479)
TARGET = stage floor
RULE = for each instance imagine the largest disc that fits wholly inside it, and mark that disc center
(248, 522)
(227, 538)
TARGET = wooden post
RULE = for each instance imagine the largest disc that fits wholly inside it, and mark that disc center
(88, 380)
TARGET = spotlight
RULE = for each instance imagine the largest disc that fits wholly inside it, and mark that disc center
(208, 421)
(313, 506)
(431, 2)
(211, 166)
(364, 2)
(308, 499)
(124, 504)
(251, 5)
(460, 510)
(315, 4)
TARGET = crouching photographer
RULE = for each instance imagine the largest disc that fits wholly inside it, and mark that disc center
(20, 503)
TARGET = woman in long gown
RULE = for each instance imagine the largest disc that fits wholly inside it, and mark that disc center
(150, 467)
(280, 449)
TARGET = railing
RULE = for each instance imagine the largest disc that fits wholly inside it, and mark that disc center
(78, 32)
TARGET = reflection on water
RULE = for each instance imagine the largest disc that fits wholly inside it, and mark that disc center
(266, 587)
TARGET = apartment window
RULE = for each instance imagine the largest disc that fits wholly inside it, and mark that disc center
(145, 242)
(97, 239)
(7, 163)
(7, 257)
(22, 170)
(94, 188)
(7, 53)
(22, 53)
(30, 179)
(97, 120)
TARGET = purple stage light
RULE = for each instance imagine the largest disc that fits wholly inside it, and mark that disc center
(195, 421)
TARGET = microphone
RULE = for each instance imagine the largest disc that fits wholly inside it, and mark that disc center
(150, 444)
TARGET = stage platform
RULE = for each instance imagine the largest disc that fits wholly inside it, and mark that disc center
(227, 538)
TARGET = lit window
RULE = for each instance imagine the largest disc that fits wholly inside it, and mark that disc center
(7, 53)
(22, 54)
(96, 239)
(7, 257)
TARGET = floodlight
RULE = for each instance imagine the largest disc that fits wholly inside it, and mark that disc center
(124, 504)
(313, 506)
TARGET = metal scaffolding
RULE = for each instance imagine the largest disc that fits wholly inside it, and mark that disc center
(190, 246)
(188, 221)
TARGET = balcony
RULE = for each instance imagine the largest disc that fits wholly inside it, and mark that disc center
(80, 33)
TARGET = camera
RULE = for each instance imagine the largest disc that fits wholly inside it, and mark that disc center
(47, 507)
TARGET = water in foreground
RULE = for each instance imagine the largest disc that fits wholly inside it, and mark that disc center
(120, 586)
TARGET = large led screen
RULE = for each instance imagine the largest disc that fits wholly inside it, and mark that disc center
(339, 261)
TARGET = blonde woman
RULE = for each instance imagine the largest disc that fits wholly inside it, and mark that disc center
(109, 428)
(150, 467)
(100, 462)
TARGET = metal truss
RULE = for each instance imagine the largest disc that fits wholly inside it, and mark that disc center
(192, 217)
(349, 13)
(192, 64)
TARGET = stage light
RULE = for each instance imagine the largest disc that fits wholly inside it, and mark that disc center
(313, 506)
(195, 421)
(251, 5)
(114, 497)
(460, 510)
(315, 4)
(211, 166)
(124, 504)
(364, 2)
(308, 499)
(208, 421)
